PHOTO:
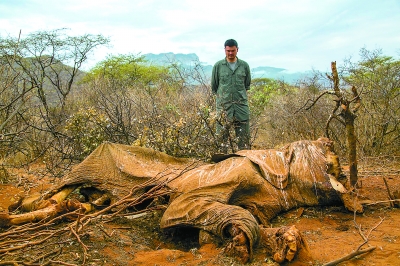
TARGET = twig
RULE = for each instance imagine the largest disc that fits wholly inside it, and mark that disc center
(59, 250)
(11, 262)
(358, 251)
(57, 262)
(376, 226)
(84, 247)
(78, 220)
(313, 102)
(160, 207)
(349, 256)
(104, 231)
(388, 191)
(12, 248)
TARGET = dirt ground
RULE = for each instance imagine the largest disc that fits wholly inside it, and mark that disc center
(331, 232)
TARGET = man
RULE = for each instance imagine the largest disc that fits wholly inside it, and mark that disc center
(230, 81)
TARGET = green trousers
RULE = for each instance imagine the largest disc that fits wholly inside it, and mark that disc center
(242, 134)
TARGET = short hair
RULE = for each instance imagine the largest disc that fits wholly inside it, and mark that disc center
(231, 42)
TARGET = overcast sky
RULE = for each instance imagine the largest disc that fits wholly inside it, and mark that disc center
(296, 35)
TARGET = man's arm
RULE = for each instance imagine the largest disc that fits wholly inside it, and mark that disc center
(248, 78)
(215, 79)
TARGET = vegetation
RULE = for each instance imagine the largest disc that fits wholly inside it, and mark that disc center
(53, 112)
(38, 77)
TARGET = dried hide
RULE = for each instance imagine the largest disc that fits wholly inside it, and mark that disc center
(229, 199)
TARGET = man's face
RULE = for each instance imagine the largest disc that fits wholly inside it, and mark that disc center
(231, 52)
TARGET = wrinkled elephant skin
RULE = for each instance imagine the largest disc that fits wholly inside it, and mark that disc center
(232, 200)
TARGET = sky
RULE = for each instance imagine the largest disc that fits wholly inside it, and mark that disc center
(296, 35)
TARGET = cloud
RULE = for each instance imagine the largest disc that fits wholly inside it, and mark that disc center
(294, 34)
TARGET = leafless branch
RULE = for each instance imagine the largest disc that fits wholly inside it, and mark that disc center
(358, 251)
(313, 102)
(349, 256)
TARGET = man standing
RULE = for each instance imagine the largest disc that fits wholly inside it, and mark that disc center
(230, 81)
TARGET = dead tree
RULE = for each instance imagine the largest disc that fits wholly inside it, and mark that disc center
(345, 112)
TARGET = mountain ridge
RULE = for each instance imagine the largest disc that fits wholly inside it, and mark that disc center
(191, 59)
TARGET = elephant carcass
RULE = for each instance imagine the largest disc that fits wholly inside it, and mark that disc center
(231, 199)
(253, 186)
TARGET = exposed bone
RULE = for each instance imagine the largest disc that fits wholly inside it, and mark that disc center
(38, 215)
(43, 209)
(101, 201)
(35, 202)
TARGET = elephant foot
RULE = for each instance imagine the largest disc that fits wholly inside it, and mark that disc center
(239, 246)
(284, 243)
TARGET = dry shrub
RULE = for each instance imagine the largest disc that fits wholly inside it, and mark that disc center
(284, 120)
(178, 120)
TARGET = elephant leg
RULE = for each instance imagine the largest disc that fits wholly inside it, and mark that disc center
(238, 247)
(234, 225)
(284, 244)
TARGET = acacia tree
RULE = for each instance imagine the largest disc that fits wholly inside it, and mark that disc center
(43, 67)
(13, 97)
(379, 122)
(49, 61)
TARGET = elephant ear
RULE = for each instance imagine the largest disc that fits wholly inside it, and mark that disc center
(337, 185)
(273, 164)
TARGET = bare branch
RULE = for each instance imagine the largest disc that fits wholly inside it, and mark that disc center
(332, 116)
(358, 251)
(356, 99)
(391, 198)
(313, 102)
(349, 256)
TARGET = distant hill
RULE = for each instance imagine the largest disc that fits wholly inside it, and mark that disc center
(278, 73)
(167, 58)
(189, 60)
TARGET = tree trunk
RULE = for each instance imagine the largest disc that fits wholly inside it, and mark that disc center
(352, 146)
(349, 117)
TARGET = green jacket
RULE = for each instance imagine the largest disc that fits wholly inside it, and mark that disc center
(231, 88)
